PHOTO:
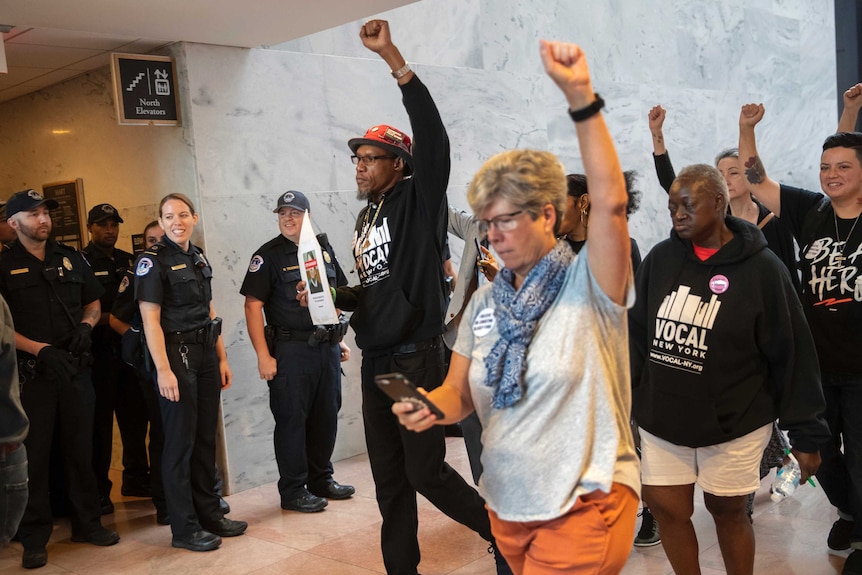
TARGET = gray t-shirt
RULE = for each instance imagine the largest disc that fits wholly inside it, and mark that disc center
(570, 434)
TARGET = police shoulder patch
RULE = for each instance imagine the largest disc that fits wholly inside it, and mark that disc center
(124, 284)
(256, 262)
(144, 266)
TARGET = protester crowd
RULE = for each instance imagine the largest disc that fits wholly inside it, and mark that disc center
(590, 384)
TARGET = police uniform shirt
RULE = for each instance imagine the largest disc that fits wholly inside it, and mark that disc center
(178, 281)
(109, 270)
(125, 306)
(272, 277)
(32, 288)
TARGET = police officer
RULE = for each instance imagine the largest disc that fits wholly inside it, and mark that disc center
(173, 289)
(124, 316)
(115, 382)
(299, 362)
(54, 299)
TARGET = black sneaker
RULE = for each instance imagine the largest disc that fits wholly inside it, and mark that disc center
(648, 534)
(839, 535)
(226, 527)
(306, 503)
(500, 561)
(853, 564)
(102, 537)
(334, 490)
(197, 541)
(34, 557)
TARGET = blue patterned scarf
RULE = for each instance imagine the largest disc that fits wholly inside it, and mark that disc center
(517, 314)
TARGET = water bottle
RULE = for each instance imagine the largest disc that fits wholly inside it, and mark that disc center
(786, 480)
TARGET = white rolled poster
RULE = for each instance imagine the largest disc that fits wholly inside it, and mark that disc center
(320, 304)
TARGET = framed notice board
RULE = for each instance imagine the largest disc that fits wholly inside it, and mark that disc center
(138, 243)
(69, 219)
(145, 90)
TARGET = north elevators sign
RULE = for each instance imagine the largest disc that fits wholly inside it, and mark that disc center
(145, 89)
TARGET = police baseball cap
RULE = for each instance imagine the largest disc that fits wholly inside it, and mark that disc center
(103, 212)
(390, 139)
(292, 199)
(27, 200)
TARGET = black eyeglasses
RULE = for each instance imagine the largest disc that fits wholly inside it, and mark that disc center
(369, 160)
(503, 222)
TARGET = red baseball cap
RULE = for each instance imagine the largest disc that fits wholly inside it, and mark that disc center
(386, 137)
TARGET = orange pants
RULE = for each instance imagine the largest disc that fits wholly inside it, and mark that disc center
(594, 537)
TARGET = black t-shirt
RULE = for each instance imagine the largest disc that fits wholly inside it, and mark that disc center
(831, 288)
(272, 277)
(179, 282)
(42, 295)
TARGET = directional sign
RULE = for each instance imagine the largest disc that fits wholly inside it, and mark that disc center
(70, 213)
(145, 89)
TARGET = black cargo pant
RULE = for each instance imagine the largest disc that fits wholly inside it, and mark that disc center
(188, 458)
(404, 462)
(68, 405)
(304, 397)
(117, 389)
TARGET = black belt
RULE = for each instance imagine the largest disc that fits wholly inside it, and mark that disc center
(292, 335)
(193, 336)
(425, 345)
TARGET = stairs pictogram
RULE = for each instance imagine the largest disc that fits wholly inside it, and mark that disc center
(136, 81)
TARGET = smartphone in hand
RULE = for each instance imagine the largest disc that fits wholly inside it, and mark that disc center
(399, 388)
(479, 255)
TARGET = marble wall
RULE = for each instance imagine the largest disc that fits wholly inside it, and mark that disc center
(259, 122)
(270, 120)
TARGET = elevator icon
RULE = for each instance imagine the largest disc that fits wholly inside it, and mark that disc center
(163, 87)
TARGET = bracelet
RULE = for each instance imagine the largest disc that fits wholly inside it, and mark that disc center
(587, 112)
(332, 290)
(401, 72)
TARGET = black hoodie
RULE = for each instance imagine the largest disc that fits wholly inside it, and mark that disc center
(402, 296)
(720, 347)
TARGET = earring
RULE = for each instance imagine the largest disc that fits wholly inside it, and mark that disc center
(584, 217)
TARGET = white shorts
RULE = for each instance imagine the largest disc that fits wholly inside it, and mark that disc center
(726, 469)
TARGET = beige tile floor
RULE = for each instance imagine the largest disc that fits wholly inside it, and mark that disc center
(344, 539)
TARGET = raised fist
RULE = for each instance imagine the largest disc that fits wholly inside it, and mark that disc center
(566, 64)
(751, 114)
(853, 97)
(375, 35)
(656, 118)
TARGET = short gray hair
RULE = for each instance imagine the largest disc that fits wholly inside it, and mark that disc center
(726, 153)
(527, 179)
(703, 178)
